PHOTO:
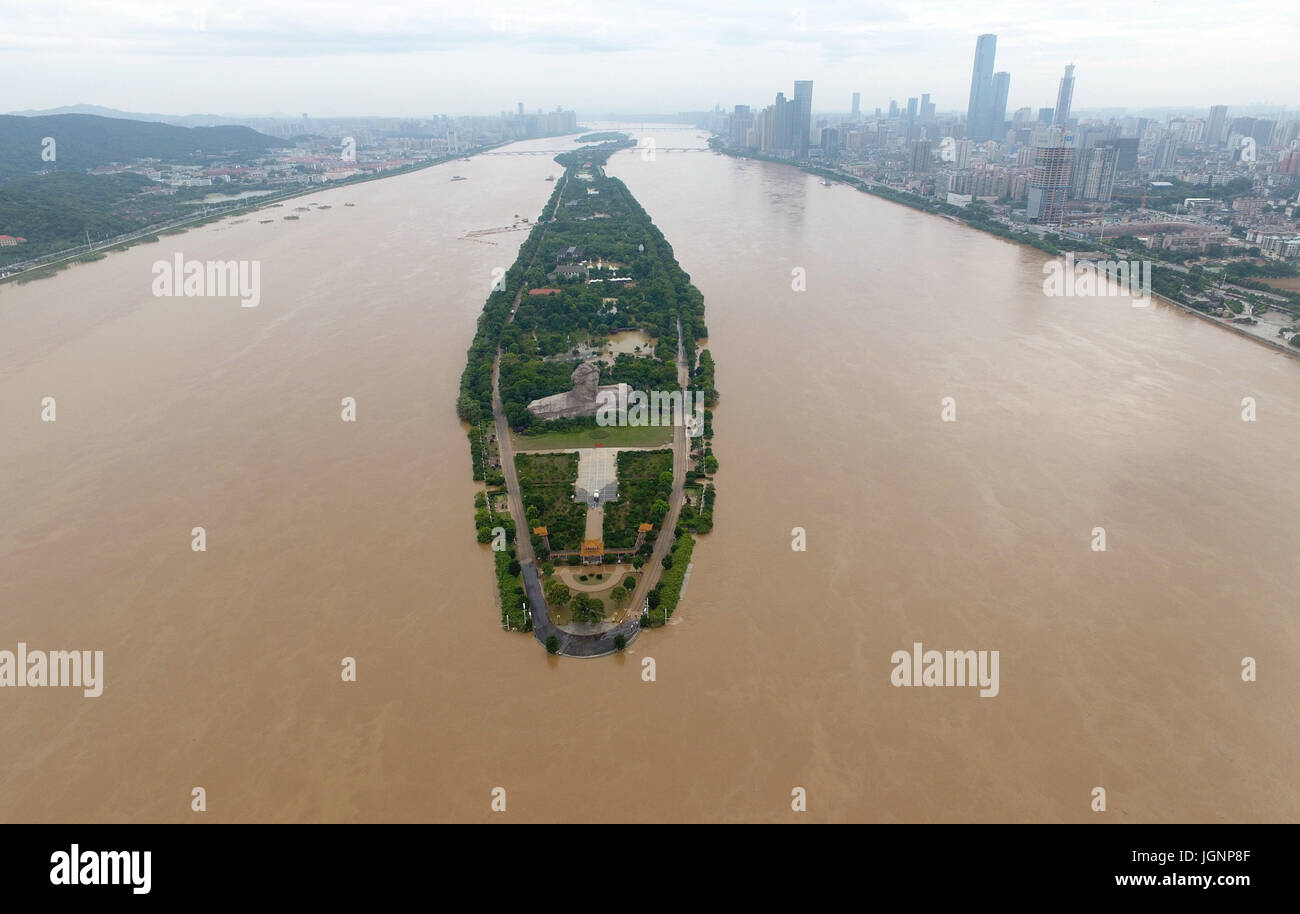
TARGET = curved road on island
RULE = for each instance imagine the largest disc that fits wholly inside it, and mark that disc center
(572, 644)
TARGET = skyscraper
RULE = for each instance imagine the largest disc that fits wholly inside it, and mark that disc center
(961, 160)
(981, 88)
(1218, 120)
(857, 105)
(998, 109)
(1126, 153)
(1049, 182)
(782, 134)
(1166, 155)
(742, 119)
(802, 120)
(1064, 95)
(1097, 173)
(921, 155)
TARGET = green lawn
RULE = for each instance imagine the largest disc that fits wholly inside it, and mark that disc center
(639, 485)
(546, 482)
(621, 436)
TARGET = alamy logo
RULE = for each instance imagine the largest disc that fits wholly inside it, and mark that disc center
(658, 407)
(948, 149)
(946, 668)
(1088, 278)
(240, 279)
(81, 669)
(78, 867)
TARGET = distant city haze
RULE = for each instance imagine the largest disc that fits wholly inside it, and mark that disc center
(391, 58)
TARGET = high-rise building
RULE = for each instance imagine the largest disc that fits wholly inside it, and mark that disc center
(1166, 154)
(1085, 138)
(781, 125)
(1097, 173)
(802, 120)
(1126, 152)
(927, 107)
(961, 158)
(1049, 182)
(981, 88)
(742, 120)
(912, 110)
(1214, 133)
(830, 141)
(1263, 131)
(921, 155)
(1064, 95)
(1045, 115)
(857, 105)
(998, 108)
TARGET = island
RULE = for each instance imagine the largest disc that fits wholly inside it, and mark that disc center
(588, 397)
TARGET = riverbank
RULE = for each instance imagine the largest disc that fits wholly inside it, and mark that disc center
(55, 263)
(1027, 239)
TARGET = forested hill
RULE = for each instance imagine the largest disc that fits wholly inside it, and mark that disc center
(87, 141)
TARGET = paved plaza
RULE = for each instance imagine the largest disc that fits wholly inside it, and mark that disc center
(597, 475)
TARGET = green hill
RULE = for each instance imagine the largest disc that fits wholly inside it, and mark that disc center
(85, 141)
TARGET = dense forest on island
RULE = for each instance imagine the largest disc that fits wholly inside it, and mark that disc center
(594, 264)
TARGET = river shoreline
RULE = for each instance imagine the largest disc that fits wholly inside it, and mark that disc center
(1284, 348)
(150, 234)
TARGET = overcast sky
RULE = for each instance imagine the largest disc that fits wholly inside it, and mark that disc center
(405, 57)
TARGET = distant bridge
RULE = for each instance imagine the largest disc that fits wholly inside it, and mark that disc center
(551, 152)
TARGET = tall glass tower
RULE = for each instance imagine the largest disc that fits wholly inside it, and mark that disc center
(802, 116)
(979, 111)
(1064, 96)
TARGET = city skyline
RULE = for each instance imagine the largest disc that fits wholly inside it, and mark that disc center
(318, 58)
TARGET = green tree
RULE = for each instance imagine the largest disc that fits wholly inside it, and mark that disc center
(552, 644)
(618, 595)
(579, 607)
(619, 642)
(557, 593)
